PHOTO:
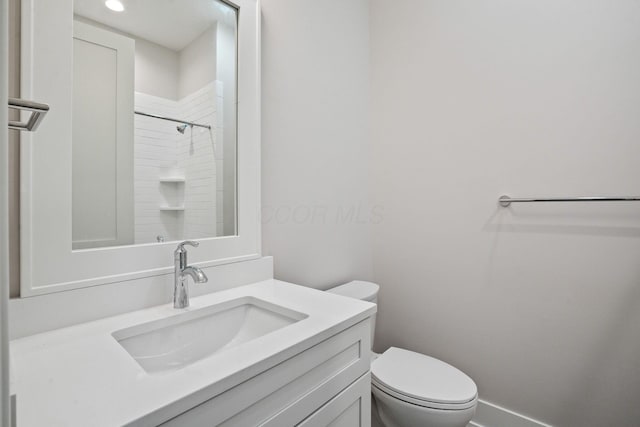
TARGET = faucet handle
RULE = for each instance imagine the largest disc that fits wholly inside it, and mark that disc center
(181, 248)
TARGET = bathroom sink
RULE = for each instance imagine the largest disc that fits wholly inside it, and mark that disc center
(175, 342)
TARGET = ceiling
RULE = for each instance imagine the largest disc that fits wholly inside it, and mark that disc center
(169, 23)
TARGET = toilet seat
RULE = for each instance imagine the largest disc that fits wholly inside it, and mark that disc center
(422, 380)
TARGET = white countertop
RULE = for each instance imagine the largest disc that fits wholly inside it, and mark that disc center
(81, 376)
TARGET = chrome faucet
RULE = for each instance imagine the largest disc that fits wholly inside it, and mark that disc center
(181, 273)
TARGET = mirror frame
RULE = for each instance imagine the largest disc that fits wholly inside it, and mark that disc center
(48, 264)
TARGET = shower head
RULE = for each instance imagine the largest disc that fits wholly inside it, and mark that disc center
(182, 128)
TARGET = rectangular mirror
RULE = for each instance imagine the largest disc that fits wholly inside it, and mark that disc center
(152, 137)
(153, 121)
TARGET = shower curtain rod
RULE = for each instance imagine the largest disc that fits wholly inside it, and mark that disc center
(185, 122)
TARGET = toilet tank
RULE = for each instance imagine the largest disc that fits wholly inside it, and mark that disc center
(359, 289)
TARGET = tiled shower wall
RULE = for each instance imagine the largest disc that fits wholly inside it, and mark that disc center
(155, 144)
(201, 157)
(160, 151)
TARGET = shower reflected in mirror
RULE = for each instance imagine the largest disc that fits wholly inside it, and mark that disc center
(139, 75)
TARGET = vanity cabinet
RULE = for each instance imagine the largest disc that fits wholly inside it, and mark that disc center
(327, 384)
(352, 407)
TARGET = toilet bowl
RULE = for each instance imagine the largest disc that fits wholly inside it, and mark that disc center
(412, 389)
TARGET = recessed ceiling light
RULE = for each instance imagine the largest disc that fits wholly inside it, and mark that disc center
(114, 5)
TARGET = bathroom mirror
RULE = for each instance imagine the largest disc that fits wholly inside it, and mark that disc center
(153, 121)
(153, 136)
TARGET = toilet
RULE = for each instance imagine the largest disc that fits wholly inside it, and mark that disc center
(411, 389)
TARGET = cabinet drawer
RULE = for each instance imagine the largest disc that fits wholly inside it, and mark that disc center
(287, 393)
(351, 408)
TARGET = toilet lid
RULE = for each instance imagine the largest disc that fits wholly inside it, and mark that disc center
(422, 378)
(365, 291)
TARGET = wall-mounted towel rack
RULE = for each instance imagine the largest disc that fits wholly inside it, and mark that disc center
(37, 110)
(184, 122)
(505, 201)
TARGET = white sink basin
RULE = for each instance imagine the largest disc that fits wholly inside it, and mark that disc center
(177, 341)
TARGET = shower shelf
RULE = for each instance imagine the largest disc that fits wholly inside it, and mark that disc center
(172, 208)
(172, 179)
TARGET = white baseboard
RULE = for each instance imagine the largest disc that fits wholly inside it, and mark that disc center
(490, 415)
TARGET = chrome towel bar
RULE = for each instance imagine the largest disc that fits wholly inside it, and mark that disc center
(37, 110)
(505, 201)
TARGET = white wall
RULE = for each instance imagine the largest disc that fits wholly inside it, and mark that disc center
(315, 144)
(197, 63)
(157, 70)
(540, 304)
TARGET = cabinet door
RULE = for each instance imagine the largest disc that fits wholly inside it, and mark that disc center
(288, 393)
(102, 138)
(350, 408)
